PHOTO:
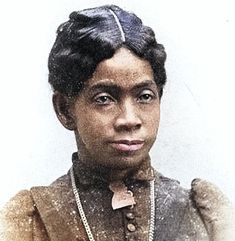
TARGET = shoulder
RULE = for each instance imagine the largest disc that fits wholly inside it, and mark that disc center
(171, 198)
(171, 191)
(57, 208)
(63, 181)
(20, 205)
(23, 204)
(16, 217)
(22, 217)
(58, 191)
(176, 208)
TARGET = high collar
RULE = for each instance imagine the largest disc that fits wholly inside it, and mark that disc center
(88, 176)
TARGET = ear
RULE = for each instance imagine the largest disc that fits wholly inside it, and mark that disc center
(63, 109)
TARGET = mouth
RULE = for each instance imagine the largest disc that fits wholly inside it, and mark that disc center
(127, 145)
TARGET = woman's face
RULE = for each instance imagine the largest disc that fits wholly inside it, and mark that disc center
(116, 115)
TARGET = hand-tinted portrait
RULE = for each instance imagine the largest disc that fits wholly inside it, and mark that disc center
(109, 88)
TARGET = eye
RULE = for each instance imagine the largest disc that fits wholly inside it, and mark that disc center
(103, 99)
(146, 96)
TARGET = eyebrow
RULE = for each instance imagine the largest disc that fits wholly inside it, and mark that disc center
(106, 85)
(146, 83)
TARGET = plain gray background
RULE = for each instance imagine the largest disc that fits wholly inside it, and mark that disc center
(196, 135)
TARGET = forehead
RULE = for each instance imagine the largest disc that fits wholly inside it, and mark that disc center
(124, 69)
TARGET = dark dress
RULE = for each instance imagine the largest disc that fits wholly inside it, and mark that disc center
(50, 213)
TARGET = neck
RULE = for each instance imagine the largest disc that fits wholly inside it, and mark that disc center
(88, 174)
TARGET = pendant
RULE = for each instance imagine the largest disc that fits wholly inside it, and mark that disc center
(122, 197)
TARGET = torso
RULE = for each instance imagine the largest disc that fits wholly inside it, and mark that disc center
(175, 217)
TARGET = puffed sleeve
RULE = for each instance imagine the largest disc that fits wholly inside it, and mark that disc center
(216, 210)
(20, 221)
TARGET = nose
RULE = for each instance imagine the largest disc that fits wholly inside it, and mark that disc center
(128, 118)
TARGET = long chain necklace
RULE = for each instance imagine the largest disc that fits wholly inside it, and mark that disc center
(84, 219)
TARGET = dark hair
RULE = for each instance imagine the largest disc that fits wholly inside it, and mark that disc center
(92, 35)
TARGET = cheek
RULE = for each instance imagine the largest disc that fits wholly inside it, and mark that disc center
(152, 119)
(93, 127)
(87, 134)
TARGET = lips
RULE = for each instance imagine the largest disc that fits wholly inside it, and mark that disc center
(127, 145)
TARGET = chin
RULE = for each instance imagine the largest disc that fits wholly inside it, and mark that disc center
(125, 163)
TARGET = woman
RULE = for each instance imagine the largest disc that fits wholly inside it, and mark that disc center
(107, 72)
